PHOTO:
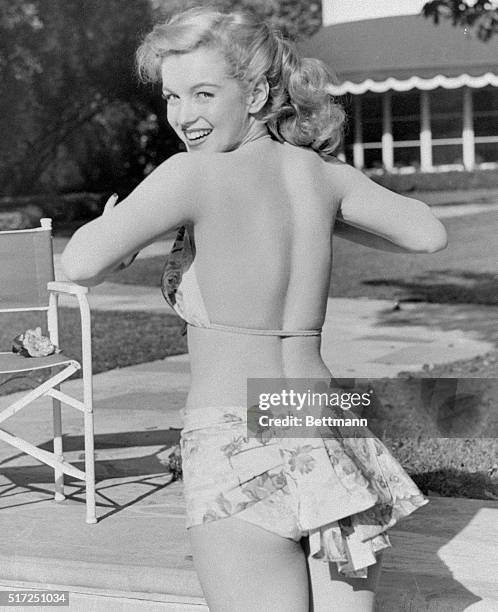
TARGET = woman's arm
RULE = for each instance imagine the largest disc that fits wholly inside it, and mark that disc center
(367, 208)
(166, 199)
(365, 238)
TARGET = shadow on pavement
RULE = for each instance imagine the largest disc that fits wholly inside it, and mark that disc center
(445, 287)
(124, 466)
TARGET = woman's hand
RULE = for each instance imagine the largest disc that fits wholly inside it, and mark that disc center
(167, 198)
(110, 204)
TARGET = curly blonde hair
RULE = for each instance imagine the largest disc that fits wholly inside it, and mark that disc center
(299, 110)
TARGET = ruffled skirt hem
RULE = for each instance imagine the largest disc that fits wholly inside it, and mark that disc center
(342, 542)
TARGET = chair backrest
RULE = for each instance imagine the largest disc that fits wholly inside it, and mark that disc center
(26, 266)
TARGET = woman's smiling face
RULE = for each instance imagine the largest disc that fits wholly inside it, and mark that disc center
(206, 108)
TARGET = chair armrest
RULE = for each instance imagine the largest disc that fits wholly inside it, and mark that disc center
(66, 287)
(80, 292)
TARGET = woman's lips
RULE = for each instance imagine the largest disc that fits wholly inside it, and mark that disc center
(198, 136)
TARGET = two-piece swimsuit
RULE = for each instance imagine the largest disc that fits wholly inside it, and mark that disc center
(343, 493)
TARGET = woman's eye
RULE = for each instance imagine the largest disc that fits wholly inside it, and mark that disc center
(169, 97)
(205, 94)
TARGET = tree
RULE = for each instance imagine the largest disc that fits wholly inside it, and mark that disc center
(63, 64)
(478, 15)
(295, 18)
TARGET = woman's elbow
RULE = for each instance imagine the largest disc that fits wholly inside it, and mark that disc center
(78, 258)
(77, 270)
(438, 241)
(432, 236)
(435, 240)
(72, 268)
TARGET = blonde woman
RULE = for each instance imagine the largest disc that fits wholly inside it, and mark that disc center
(258, 197)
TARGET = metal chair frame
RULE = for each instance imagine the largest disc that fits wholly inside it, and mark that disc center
(51, 388)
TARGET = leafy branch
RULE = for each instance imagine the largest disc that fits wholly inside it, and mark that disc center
(480, 16)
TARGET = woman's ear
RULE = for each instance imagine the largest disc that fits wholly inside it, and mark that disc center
(258, 95)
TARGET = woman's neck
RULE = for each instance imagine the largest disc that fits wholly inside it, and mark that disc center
(256, 131)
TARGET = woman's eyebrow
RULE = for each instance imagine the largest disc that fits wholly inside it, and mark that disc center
(196, 86)
(203, 84)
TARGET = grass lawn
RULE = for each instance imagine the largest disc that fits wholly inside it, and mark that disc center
(145, 272)
(118, 339)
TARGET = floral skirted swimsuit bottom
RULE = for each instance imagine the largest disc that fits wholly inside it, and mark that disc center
(342, 492)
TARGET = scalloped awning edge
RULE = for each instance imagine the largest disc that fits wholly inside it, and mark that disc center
(415, 82)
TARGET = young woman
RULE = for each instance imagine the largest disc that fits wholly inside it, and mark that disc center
(283, 527)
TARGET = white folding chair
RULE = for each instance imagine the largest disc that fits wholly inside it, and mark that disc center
(27, 284)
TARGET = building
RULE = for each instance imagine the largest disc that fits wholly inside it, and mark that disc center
(420, 97)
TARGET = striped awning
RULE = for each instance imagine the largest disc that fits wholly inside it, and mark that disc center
(402, 53)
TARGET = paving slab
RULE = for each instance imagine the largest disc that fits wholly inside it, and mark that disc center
(461, 210)
(367, 338)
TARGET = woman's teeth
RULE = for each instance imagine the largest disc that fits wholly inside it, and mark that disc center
(197, 135)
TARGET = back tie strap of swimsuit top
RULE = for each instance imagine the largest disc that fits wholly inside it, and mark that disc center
(262, 332)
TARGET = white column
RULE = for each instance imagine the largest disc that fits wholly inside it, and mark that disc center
(340, 152)
(425, 133)
(387, 133)
(358, 156)
(468, 131)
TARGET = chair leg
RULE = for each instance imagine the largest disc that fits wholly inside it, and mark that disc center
(58, 451)
(90, 469)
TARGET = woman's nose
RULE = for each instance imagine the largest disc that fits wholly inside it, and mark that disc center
(186, 114)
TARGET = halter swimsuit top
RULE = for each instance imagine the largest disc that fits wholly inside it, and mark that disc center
(181, 290)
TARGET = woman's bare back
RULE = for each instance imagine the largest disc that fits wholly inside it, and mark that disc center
(263, 260)
(262, 217)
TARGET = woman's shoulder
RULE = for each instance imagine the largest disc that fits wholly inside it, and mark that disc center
(189, 168)
(344, 177)
(179, 162)
(307, 155)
